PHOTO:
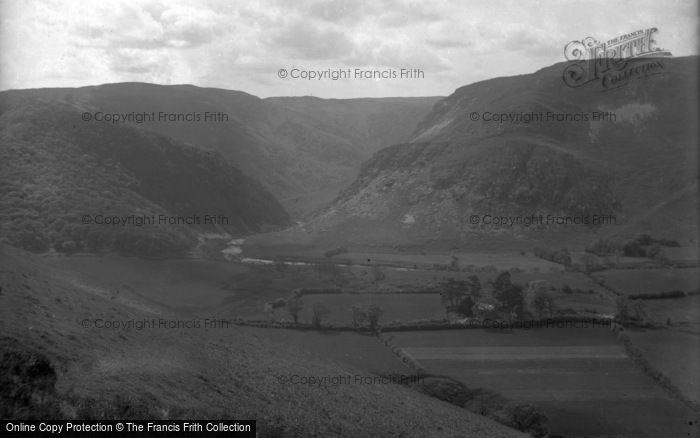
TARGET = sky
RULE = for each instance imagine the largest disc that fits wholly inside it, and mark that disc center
(243, 45)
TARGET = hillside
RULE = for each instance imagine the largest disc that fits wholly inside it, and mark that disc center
(302, 149)
(56, 365)
(640, 166)
(63, 180)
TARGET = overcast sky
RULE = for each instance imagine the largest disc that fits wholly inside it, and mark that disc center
(242, 45)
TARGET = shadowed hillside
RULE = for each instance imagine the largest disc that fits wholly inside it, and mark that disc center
(302, 149)
(56, 365)
(56, 171)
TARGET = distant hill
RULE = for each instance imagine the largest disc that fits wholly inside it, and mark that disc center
(640, 167)
(54, 363)
(57, 170)
(296, 147)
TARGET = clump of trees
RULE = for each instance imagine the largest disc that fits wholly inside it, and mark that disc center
(622, 305)
(591, 263)
(543, 303)
(603, 247)
(459, 296)
(369, 315)
(509, 295)
(561, 256)
(642, 245)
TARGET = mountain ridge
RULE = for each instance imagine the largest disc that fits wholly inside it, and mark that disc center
(456, 167)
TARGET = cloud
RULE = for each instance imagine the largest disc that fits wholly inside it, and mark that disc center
(307, 41)
(446, 43)
(342, 11)
(237, 45)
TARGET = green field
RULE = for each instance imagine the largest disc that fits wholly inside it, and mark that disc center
(682, 311)
(396, 307)
(651, 281)
(675, 353)
(581, 378)
(176, 284)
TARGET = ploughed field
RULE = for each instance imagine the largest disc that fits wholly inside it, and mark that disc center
(581, 377)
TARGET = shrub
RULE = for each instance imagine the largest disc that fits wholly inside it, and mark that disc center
(373, 314)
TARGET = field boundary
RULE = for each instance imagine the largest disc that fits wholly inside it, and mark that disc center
(638, 358)
(406, 358)
(429, 325)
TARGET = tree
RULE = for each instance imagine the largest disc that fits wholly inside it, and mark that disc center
(474, 287)
(359, 316)
(466, 306)
(373, 314)
(509, 295)
(543, 302)
(623, 308)
(512, 300)
(502, 281)
(294, 306)
(452, 292)
(318, 313)
(639, 309)
(657, 253)
(633, 249)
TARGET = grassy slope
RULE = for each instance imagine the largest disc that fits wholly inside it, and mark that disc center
(215, 373)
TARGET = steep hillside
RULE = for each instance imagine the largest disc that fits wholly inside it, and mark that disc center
(639, 165)
(295, 147)
(63, 182)
(55, 363)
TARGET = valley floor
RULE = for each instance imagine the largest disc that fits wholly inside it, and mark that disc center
(582, 379)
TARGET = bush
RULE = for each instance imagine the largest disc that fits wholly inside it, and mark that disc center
(525, 418)
(562, 256)
(604, 247)
(633, 249)
(373, 314)
(528, 419)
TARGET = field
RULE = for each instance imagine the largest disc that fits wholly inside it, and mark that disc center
(177, 284)
(56, 366)
(674, 353)
(683, 312)
(651, 281)
(581, 377)
(396, 307)
(364, 352)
